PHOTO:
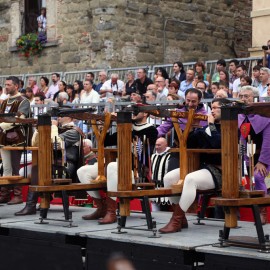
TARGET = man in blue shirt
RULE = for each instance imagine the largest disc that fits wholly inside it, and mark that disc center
(187, 83)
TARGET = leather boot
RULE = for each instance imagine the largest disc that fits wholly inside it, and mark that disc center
(263, 215)
(175, 223)
(17, 198)
(5, 195)
(100, 211)
(184, 222)
(110, 216)
(30, 207)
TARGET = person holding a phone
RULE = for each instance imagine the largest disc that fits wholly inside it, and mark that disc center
(266, 58)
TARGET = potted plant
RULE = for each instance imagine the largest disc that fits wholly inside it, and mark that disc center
(29, 45)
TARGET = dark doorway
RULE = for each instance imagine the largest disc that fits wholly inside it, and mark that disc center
(31, 12)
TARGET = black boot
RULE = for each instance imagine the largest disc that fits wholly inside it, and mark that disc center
(30, 207)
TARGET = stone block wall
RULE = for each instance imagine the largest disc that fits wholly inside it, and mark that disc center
(121, 33)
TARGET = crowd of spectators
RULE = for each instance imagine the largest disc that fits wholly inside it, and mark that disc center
(225, 82)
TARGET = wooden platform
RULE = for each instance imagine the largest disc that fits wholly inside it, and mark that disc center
(88, 246)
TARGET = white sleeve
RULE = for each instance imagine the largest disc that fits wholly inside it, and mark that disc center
(105, 86)
(235, 86)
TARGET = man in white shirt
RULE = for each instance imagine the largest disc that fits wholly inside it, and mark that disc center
(264, 80)
(89, 95)
(54, 86)
(112, 87)
(241, 70)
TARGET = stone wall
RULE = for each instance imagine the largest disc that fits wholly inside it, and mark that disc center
(120, 33)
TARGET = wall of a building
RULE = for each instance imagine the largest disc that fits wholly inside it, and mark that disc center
(100, 33)
(260, 30)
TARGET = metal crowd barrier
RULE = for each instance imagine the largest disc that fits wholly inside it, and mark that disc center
(122, 72)
(37, 76)
(3, 78)
(169, 68)
(71, 76)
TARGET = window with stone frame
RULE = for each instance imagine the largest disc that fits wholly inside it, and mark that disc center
(31, 12)
(18, 12)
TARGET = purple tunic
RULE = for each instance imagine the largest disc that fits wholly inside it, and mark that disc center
(260, 124)
(164, 128)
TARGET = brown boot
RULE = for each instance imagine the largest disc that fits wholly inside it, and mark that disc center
(175, 223)
(30, 207)
(17, 199)
(5, 195)
(184, 222)
(100, 211)
(263, 215)
(110, 216)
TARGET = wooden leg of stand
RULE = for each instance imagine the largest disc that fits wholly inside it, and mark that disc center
(231, 217)
(124, 207)
(45, 201)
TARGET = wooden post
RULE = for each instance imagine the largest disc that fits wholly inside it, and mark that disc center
(124, 139)
(229, 142)
(182, 137)
(44, 157)
(100, 136)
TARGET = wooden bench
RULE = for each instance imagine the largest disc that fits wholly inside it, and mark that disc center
(189, 161)
(46, 185)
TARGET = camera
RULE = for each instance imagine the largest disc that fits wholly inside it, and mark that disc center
(265, 48)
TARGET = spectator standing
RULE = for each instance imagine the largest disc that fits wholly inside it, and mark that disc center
(44, 82)
(214, 88)
(62, 88)
(91, 76)
(241, 70)
(32, 83)
(54, 86)
(112, 87)
(179, 72)
(173, 87)
(220, 64)
(102, 76)
(187, 84)
(200, 69)
(232, 68)
(202, 87)
(30, 95)
(130, 84)
(89, 95)
(162, 89)
(161, 72)
(71, 93)
(264, 80)
(256, 76)
(142, 81)
(42, 21)
(266, 58)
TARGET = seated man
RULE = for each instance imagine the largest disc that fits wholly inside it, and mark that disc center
(159, 164)
(66, 134)
(159, 161)
(258, 127)
(192, 101)
(209, 177)
(141, 129)
(87, 173)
